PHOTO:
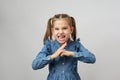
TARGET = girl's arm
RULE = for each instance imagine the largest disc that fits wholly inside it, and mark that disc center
(81, 53)
(84, 54)
(42, 59)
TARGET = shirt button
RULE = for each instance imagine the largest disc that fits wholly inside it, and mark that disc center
(63, 63)
(62, 71)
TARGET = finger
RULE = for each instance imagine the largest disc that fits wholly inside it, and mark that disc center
(61, 51)
(63, 46)
(61, 54)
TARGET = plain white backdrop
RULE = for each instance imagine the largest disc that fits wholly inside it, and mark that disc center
(23, 24)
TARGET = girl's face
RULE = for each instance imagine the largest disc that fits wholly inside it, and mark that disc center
(62, 30)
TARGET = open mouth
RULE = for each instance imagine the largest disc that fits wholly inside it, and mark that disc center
(61, 37)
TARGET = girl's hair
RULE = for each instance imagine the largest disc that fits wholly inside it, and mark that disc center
(50, 24)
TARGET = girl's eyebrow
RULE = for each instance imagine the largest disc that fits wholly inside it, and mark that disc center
(65, 27)
(56, 28)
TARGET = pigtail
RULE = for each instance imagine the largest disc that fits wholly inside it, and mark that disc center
(48, 34)
(74, 30)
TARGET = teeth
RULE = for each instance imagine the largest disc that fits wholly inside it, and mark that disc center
(61, 36)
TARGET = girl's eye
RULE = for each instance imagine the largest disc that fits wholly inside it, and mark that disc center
(56, 28)
(65, 28)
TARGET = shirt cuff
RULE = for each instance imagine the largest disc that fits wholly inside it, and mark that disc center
(47, 58)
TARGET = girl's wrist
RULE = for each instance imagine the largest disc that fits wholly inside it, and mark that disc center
(52, 57)
(72, 54)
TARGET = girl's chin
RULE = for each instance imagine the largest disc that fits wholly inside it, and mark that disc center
(61, 42)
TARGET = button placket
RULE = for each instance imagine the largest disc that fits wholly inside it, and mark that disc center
(63, 65)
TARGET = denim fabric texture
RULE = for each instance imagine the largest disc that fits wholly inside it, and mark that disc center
(62, 68)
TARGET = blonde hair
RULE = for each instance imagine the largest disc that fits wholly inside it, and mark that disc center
(71, 20)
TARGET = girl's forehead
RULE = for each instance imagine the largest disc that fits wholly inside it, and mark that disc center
(61, 21)
(64, 19)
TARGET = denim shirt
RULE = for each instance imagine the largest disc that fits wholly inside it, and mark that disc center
(63, 68)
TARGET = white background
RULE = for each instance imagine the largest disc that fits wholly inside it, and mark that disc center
(23, 24)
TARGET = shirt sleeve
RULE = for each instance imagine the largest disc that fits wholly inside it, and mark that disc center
(84, 54)
(42, 59)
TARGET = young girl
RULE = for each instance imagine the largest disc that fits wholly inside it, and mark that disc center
(63, 52)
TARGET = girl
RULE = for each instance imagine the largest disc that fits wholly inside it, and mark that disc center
(63, 52)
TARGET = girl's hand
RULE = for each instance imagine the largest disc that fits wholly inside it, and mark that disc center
(59, 51)
(67, 53)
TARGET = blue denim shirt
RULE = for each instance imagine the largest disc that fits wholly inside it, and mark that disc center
(63, 68)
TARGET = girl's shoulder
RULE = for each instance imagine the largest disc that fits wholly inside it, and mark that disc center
(50, 43)
(47, 41)
(76, 42)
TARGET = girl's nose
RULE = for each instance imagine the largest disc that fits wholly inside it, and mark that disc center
(60, 31)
